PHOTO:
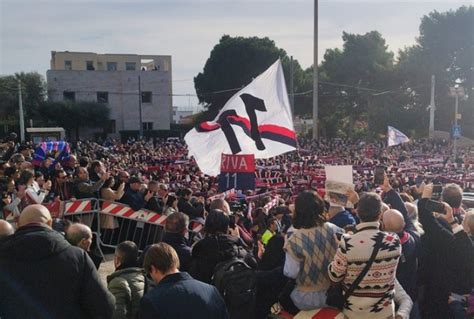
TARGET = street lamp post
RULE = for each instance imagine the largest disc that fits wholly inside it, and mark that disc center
(457, 92)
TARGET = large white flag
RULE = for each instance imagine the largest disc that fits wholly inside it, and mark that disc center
(396, 137)
(256, 120)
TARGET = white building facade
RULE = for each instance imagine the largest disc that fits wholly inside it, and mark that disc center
(115, 80)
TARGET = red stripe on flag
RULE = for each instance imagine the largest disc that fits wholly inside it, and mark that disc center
(88, 206)
(277, 129)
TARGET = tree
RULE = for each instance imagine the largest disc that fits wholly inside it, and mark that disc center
(72, 116)
(33, 94)
(445, 48)
(349, 78)
(233, 63)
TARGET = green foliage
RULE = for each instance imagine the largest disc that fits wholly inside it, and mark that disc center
(400, 89)
(234, 62)
(72, 116)
(33, 94)
(363, 62)
(445, 48)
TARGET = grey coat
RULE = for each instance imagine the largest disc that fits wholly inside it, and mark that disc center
(127, 285)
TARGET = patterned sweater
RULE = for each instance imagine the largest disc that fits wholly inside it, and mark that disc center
(314, 248)
(373, 298)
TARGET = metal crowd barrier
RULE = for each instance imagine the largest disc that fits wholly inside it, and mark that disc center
(113, 222)
(468, 199)
(119, 222)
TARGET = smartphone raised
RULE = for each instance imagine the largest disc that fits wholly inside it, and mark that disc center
(435, 206)
(437, 189)
(379, 175)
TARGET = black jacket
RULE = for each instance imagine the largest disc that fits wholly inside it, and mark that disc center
(187, 208)
(410, 240)
(43, 276)
(134, 199)
(179, 296)
(153, 204)
(178, 242)
(213, 249)
(447, 264)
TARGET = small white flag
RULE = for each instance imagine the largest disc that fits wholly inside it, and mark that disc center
(256, 120)
(396, 137)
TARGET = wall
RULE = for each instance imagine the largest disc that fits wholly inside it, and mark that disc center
(123, 94)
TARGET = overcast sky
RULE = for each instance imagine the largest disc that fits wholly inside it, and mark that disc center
(188, 30)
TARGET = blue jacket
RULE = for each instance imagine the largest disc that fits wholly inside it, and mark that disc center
(342, 219)
(179, 296)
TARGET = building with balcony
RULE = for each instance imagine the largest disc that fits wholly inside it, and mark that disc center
(116, 80)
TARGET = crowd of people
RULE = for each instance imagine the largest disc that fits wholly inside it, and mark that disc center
(398, 249)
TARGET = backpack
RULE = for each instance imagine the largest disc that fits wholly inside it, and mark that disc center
(237, 283)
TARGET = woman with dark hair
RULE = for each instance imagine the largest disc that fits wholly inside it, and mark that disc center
(216, 246)
(34, 194)
(309, 252)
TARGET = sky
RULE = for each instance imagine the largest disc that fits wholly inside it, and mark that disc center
(189, 29)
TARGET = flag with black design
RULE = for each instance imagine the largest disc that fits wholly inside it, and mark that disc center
(256, 120)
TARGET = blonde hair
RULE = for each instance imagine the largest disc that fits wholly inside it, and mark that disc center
(468, 222)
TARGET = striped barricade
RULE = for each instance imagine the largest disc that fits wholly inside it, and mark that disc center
(119, 222)
(81, 210)
(121, 210)
(80, 206)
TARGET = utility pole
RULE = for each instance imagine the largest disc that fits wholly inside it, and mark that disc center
(292, 88)
(315, 73)
(140, 106)
(457, 92)
(456, 125)
(432, 107)
(22, 119)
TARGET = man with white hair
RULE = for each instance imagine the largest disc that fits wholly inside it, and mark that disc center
(79, 235)
(468, 224)
(43, 276)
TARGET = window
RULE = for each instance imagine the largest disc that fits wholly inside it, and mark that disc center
(111, 66)
(68, 65)
(146, 97)
(111, 127)
(90, 66)
(102, 97)
(130, 66)
(147, 126)
(69, 96)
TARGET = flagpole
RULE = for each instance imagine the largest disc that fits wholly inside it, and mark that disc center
(315, 73)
